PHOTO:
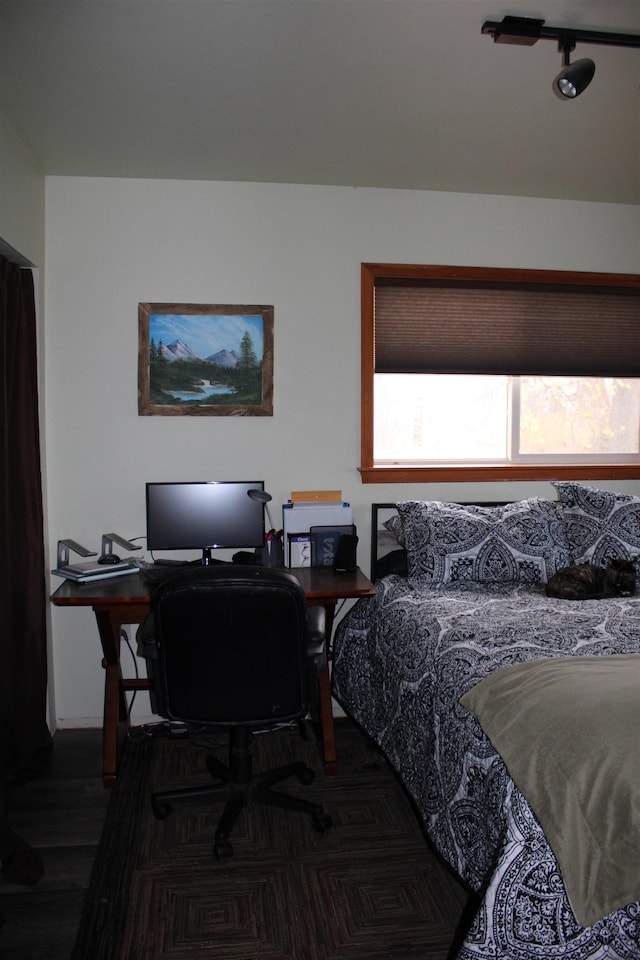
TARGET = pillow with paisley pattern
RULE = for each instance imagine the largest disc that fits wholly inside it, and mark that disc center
(600, 525)
(452, 542)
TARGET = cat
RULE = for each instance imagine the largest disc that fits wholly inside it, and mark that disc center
(586, 581)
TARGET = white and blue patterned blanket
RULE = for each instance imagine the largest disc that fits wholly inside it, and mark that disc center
(402, 660)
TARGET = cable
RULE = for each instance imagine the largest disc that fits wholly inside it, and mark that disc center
(125, 636)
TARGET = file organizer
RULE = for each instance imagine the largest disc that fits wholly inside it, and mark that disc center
(300, 517)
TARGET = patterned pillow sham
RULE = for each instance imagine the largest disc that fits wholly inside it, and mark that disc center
(394, 526)
(600, 525)
(452, 542)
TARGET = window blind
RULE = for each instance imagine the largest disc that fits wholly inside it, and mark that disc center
(426, 326)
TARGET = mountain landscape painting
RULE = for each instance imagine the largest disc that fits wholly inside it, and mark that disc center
(205, 359)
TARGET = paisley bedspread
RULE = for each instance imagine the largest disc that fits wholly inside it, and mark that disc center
(402, 660)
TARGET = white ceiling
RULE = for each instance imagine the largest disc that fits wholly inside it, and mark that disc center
(377, 93)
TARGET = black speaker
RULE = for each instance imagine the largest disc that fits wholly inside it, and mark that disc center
(345, 559)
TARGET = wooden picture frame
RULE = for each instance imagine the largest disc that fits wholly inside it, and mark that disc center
(212, 360)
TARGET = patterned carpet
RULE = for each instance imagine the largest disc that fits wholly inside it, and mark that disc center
(368, 889)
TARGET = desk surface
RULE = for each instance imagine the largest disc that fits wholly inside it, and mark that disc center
(318, 583)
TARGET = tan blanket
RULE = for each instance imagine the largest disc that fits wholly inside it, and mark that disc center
(568, 730)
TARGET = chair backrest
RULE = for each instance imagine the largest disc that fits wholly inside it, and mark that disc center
(232, 646)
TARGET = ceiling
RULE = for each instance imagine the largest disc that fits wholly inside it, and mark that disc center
(379, 93)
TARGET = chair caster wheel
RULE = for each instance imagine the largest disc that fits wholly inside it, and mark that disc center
(306, 776)
(222, 850)
(322, 822)
(161, 810)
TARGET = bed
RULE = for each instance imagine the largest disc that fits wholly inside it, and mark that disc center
(460, 612)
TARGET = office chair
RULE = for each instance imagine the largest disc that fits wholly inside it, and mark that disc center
(229, 645)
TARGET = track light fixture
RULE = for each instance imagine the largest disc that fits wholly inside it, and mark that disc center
(574, 77)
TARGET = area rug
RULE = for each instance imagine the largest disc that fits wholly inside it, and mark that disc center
(368, 889)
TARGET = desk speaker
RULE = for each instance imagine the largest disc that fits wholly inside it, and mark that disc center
(345, 560)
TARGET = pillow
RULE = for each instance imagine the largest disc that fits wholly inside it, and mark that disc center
(392, 563)
(394, 526)
(453, 542)
(600, 525)
(391, 557)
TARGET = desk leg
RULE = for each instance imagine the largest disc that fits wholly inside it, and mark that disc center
(326, 710)
(115, 706)
(326, 723)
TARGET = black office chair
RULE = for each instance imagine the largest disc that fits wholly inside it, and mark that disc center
(229, 645)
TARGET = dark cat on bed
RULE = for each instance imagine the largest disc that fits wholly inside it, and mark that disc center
(586, 581)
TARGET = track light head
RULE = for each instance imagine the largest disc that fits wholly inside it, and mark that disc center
(575, 77)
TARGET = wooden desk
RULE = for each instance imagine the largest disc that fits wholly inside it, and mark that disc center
(125, 600)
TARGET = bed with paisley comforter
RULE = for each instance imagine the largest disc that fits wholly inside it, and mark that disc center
(529, 788)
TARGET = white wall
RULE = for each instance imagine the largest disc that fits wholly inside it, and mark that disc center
(21, 197)
(113, 243)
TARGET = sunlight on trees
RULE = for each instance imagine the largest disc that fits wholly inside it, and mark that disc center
(427, 418)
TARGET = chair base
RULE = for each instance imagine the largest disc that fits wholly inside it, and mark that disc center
(239, 784)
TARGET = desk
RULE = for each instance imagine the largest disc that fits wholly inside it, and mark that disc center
(125, 600)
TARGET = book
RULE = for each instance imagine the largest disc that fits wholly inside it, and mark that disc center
(299, 549)
(314, 496)
(103, 572)
(92, 566)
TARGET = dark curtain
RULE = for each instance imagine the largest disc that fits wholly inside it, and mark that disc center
(23, 599)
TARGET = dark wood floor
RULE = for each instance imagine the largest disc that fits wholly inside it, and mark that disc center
(59, 811)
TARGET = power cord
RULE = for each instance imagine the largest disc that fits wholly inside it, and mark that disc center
(125, 636)
(144, 730)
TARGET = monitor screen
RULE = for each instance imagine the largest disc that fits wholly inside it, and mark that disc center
(196, 516)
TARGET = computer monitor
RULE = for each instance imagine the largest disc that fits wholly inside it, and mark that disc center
(204, 515)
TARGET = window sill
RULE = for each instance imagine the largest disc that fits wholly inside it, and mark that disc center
(444, 474)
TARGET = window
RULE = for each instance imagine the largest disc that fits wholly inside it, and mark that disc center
(471, 374)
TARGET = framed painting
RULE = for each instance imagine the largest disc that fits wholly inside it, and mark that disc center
(211, 360)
